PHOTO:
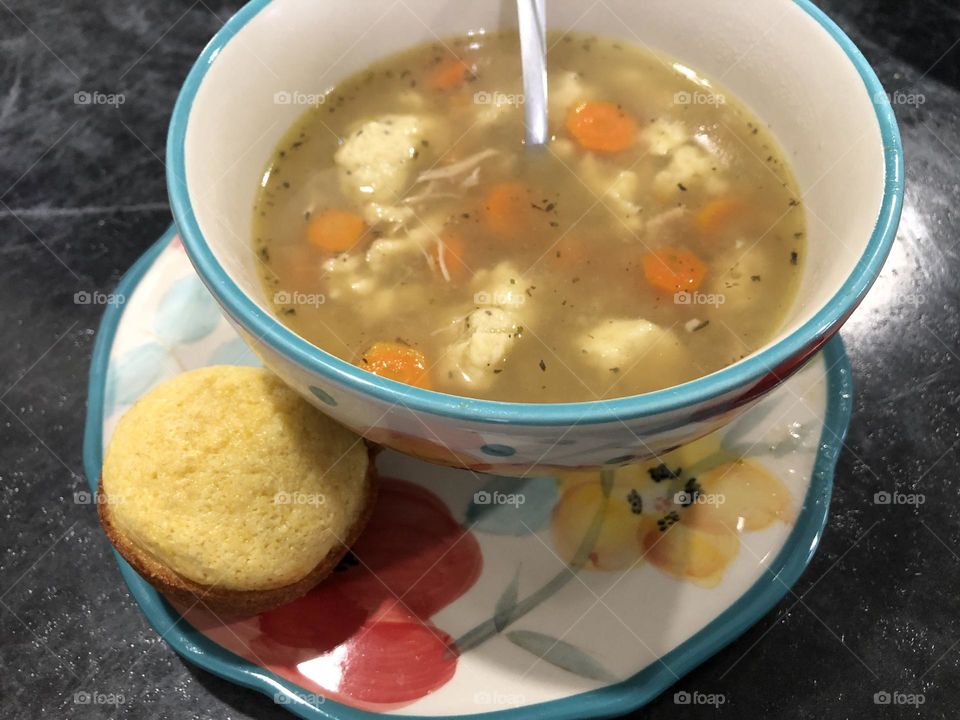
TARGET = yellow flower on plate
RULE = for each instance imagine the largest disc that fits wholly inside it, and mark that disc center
(690, 554)
(748, 498)
(616, 546)
(686, 526)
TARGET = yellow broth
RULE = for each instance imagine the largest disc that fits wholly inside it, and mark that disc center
(659, 236)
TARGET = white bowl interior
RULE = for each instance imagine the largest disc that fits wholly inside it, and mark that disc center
(770, 53)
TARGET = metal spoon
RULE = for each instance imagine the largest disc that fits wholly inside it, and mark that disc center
(532, 15)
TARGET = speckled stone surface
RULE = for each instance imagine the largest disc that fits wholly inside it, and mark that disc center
(82, 196)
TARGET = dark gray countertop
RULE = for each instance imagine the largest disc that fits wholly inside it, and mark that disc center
(83, 196)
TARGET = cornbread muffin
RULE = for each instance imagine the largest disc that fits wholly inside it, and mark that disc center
(225, 485)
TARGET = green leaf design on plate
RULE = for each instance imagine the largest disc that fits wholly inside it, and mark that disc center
(607, 475)
(561, 654)
(507, 603)
(535, 497)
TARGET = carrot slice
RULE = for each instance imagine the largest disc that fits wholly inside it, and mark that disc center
(673, 269)
(601, 126)
(335, 230)
(451, 74)
(507, 208)
(397, 362)
(716, 214)
(448, 254)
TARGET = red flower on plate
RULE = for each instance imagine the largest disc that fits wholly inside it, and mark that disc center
(364, 636)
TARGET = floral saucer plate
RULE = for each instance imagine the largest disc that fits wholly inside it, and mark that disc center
(584, 594)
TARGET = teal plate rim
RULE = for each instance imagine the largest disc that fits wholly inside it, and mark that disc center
(618, 699)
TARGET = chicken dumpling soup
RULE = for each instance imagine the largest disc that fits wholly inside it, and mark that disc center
(402, 225)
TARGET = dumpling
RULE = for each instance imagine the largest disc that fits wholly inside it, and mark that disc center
(621, 342)
(376, 161)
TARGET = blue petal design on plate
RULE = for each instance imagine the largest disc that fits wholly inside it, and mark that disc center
(186, 313)
(323, 396)
(498, 450)
(133, 373)
(235, 352)
(512, 506)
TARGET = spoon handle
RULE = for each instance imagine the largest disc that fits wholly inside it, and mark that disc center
(532, 15)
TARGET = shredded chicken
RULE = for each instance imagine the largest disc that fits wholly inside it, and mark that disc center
(472, 179)
(429, 193)
(449, 172)
(442, 259)
(665, 221)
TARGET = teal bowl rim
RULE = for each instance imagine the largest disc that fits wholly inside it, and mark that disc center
(740, 375)
(634, 692)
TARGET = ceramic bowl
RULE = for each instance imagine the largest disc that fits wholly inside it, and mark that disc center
(786, 60)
